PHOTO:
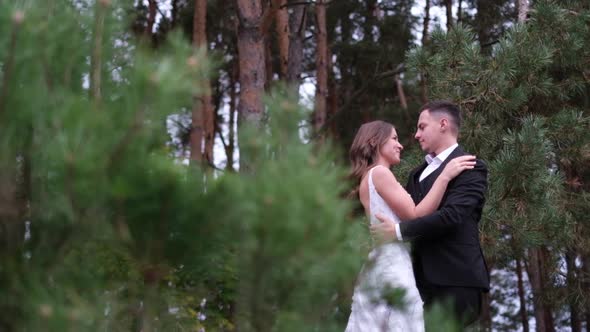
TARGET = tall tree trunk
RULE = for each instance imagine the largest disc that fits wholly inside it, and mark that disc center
(96, 57)
(282, 29)
(570, 258)
(202, 127)
(251, 53)
(426, 23)
(370, 20)
(332, 104)
(400, 92)
(460, 12)
(151, 19)
(268, 62)
(25, 189)
(485, 319)
(196, 134)
(523, 312)
(174, 14)
(9, 213)
(15, 199)
(231, 133)
(586, 287)
(486, 312)
(484, 7)
(274, 11)
(548, 315)
(269, 16)
(523, 10)
(449, 7)
(425, 27)
(252, 61)
(208, 110)
(200, 24)
(297, 19)
(321, 92)
(535, 270)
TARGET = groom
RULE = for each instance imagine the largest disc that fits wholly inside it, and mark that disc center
(449, 266)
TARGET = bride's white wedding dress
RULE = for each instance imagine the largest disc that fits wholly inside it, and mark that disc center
(389, 266)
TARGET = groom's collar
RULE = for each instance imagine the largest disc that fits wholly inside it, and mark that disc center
(441, 157)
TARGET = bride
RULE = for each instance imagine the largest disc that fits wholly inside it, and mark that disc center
(374, 150)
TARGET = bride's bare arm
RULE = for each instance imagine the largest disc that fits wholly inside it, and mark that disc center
(400, 201)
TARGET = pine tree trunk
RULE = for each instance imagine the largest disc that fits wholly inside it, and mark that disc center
(369, 24)
(321, 93)
(548, 315)
(25, 189)
(209, 133)
(332, 104)
(535, 270)
(15, 191)
(208, 110)
(400, 92)
(483, 7)
(174, 14)
(151, 19)
(586, 287)
(535, 280)
(282, 30)
(268, 62)
(485, 318)
(523, 312)
(449, 7)
(575, 322)
(96, 58)
(426, 23)
(231, 135)
(252, 61)
(523, 10)
(297, 19)
(15, 201)
(8, 211)
(486, 312)
(8, 61)
(460, 12)
(196, 135)
(423, 90)
(202, 127)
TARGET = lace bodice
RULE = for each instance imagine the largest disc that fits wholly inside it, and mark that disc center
(377, 204)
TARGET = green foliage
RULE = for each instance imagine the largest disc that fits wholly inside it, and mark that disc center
(438, 316)
(295, 238)
(522, 105)
(120, 236)
(367, 49)
(101, 230)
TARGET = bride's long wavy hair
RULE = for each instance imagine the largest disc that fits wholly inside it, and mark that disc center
(363, 151)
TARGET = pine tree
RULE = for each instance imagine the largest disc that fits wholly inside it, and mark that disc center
(102, 230)
(524, 103)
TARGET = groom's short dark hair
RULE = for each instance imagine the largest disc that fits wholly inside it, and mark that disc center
(444, 107)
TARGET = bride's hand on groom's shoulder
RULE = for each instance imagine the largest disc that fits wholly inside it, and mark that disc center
(384, 231)
(458, 165)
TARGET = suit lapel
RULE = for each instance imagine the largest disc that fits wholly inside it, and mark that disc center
(429, 180)
(418, 171)
(413, 186)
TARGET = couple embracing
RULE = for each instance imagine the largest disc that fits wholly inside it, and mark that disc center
(438, 211)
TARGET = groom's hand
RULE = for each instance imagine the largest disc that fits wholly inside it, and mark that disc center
(385, 231)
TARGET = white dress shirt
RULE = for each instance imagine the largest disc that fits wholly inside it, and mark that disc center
(433, 164)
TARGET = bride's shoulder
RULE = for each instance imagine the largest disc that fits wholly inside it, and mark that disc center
(382, 174)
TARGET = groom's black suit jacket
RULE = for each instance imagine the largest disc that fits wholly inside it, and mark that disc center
(445, 245)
